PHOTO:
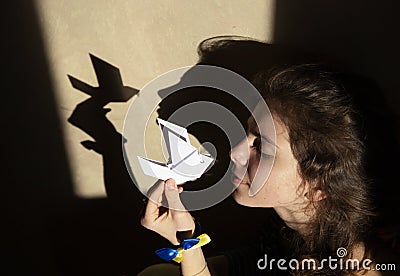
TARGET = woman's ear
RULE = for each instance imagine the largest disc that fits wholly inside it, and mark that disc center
(315, 195)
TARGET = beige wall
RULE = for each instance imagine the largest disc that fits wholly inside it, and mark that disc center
(141, 38)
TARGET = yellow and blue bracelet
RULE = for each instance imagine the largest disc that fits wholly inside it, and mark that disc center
(168, 254)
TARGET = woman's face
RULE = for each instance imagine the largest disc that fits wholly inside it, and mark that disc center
(257, 184)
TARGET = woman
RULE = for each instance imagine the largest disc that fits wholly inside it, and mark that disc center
(317, 186)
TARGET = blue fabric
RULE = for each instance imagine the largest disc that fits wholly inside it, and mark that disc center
(189, 243)
(167, 254)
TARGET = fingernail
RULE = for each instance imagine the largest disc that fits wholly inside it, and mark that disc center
(171, 186)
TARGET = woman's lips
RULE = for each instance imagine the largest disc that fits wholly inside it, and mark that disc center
(237, 181)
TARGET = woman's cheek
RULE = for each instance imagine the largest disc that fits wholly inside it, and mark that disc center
(252, 171)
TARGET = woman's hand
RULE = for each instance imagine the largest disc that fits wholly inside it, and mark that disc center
(174, 219)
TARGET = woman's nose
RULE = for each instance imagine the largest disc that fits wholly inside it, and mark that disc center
(240, 153)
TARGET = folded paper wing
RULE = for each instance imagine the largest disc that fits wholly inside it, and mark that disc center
(159, 170)
(178, 130)
(185, 162)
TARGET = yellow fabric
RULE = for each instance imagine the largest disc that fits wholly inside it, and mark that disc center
(204, 239)
(179, 257)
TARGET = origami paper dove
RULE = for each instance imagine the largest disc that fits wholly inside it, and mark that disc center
(185, 162)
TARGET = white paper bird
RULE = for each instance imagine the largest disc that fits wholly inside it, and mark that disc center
(185, 162)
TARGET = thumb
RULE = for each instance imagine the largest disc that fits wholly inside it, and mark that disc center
(172, 196)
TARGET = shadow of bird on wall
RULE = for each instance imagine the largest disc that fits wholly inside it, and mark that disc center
(90, 117)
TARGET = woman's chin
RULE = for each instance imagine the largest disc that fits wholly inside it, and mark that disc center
(241, 197)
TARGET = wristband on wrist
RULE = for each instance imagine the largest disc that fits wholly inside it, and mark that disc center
(168, 254)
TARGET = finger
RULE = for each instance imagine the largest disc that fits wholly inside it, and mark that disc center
(156, 191)
(172, 195)
(182, 219)
(153, 204)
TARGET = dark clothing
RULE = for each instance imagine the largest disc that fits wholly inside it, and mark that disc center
(278, 251)
(270, 245)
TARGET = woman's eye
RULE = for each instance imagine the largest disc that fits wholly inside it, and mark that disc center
(257, 144)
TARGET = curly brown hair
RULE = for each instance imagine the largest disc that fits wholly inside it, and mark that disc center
(322, 126)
